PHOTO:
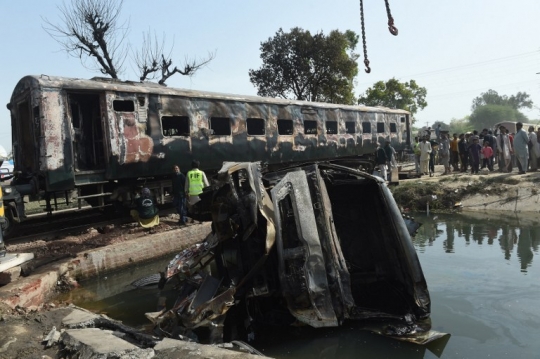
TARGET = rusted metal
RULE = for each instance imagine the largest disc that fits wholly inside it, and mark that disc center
(320, 242)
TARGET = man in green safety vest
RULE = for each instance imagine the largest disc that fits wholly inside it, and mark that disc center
(195, 182)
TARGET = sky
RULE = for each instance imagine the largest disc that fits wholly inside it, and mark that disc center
(456, 49)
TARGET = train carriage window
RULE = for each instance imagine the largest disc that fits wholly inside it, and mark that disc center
(350, 127)
(310, 127)
(393, 127)
(331, 128)
(380, 127)
(285, 127)
(366, 127)
(220, 126)
(175, 125)
(255, 126)
(124, 105)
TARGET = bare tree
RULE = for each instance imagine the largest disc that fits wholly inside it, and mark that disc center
(91, 29)
(151, 60)
(147, 58)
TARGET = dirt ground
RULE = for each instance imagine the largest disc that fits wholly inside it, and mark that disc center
(22, 331)
(485, 192)
(75, 243)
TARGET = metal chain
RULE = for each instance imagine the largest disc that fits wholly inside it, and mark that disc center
(391, 27)
(366, 61)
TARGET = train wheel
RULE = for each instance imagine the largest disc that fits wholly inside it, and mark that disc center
(9, 224)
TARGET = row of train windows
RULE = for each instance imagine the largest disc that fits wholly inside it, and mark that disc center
(221, 126)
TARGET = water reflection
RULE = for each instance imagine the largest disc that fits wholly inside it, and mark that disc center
(516, 235)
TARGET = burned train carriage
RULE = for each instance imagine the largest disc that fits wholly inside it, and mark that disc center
(94, 139)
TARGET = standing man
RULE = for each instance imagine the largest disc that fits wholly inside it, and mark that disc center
(195, 182)
(520, 147)
(504, 149)
(438, 132)
(534, 149)
(474, 155)
(416, 150)
(381, 160)
(425, 150)
(454, 152)
(390, 157)
(178, 192)
(444, 153)
(463, 153)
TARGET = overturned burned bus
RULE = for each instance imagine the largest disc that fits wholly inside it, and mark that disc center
(317, 244)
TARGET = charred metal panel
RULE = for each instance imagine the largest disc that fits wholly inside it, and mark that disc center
(302, 269)
(336, 266)
(132, 144)
(342, 251)
(56, 154)
(173, 150)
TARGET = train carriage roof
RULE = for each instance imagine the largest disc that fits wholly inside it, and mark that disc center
(108, 84)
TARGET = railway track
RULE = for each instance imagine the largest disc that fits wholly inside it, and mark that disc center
(53, 227)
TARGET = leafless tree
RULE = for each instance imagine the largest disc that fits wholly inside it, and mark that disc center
(152, 61)
(92, 29)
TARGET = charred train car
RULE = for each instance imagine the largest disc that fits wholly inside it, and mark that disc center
(96, 140)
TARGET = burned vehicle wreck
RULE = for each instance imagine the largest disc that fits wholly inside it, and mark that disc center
(316, 245)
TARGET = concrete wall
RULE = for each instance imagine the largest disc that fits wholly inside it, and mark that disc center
(34, 290)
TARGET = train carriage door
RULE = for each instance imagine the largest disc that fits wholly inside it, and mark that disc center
(131, 131)
(87, 135)
(26, 144)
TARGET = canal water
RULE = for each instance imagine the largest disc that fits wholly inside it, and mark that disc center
(483, 275)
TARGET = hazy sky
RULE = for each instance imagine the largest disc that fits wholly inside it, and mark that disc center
(456, 49)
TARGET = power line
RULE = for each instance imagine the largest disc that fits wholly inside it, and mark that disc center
(500, 59)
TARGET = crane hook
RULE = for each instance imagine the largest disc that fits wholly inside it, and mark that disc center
(368, 69)
(393, 30)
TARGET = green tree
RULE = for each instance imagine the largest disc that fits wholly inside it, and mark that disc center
(491, 97)
(303, 66)
(460, 125)
(488, 115)
(394, 94)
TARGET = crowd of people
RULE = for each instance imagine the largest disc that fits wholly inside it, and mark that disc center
(472, 151)
(185, 191)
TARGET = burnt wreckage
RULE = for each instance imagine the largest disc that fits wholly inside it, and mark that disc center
(316, 244)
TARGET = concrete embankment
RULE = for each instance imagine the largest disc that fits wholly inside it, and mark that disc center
(71, 332)
(34, 290)
(489, 192)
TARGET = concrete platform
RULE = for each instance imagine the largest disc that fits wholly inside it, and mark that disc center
(14, 259)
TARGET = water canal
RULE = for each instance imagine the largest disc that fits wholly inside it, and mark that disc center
(483, 275)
